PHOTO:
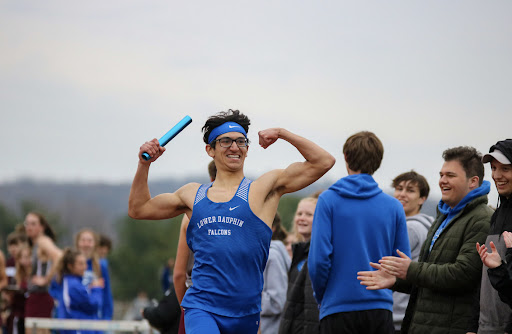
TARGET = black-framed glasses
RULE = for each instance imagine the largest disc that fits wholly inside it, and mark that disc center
(227, 142)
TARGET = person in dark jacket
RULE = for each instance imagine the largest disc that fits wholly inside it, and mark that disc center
(500, 272)
(445, 279)
(300, 313)
(501, 276)
(166, 315)
(492, 315)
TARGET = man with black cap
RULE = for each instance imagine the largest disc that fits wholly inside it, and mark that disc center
(491, 314)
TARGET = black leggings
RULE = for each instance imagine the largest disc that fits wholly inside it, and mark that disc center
(358, 322)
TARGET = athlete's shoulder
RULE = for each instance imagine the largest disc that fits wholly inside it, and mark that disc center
(191, 185)
(187, 193)
(189, 189)
(268, 179)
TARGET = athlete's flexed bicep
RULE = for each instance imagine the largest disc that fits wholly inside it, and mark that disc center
(300, 174)
(267, 190)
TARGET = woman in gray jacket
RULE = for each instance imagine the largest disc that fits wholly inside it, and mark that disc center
(273, 296)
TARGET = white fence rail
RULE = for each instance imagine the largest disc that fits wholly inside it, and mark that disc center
(96, 325)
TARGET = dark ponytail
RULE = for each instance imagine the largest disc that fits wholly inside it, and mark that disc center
(68, 259)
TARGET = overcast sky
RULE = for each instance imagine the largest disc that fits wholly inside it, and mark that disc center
(84, 84)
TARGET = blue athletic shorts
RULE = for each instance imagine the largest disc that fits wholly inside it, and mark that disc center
(202, 322)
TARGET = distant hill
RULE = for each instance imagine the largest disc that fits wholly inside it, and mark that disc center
(94, 205)
(100, 205)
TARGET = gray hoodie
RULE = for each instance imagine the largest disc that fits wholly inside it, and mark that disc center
(275, 286)
(417, 228)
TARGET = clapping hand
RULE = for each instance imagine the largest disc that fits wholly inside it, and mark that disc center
(377, 279)
(490, 260)
(396, 266)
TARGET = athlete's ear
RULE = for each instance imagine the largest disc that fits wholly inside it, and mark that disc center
(210, 151)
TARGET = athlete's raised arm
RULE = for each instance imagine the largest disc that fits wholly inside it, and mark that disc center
(300, 174)
(140, 203)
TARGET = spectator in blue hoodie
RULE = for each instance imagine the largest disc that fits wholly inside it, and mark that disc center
(87, 241)
(354, 223)
(77, 301)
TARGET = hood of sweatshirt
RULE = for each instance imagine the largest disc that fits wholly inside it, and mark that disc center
(423, 219)
(360, 186)
(502, 218)
(482, 190)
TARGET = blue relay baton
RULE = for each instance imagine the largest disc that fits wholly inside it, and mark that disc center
(171, 134)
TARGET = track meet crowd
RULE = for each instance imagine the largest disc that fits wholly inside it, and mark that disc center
(356, 260)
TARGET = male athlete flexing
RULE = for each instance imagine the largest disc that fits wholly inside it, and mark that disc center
(230, 220)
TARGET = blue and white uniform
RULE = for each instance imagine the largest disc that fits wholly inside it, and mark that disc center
(77, 301)
(230, 245)
(106, 308)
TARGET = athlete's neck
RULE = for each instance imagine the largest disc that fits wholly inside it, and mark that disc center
(228, 180)
(224, 188)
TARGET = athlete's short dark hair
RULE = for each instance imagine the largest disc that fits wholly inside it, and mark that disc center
(222, 117)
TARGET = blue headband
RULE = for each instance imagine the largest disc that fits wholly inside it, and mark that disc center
(225, 128)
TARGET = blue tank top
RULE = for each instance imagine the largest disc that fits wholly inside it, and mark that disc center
(230, 245)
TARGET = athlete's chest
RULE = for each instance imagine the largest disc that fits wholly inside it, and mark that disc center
(229, 215)
(221, 195)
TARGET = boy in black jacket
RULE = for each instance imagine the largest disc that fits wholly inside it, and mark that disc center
(166, 315)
